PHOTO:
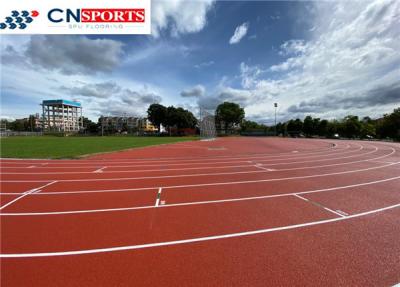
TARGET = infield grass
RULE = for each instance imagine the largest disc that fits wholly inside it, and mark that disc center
(73, 147)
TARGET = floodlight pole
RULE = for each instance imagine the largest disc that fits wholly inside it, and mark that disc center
(275, 105)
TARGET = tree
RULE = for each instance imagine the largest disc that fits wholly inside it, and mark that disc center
(308, 126)
(294, 127)
(179, 118)
(389, 126)
(322, 128)
(351, 126)
(157, 115)
(247, 125)
(229, 114)
(90, 126)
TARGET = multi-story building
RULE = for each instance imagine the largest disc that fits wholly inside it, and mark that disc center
(126, 124)
(62, 116)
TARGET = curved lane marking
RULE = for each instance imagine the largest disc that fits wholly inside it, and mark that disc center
(202, 174)
(210, 184)
(193, 240)
(199, 202)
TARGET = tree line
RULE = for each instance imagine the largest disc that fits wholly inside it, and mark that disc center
(230, 119)
(387, 127)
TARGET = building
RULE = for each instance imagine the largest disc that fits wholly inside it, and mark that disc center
(126, 124)
(147, 126)
(62, 116)
(119, 124)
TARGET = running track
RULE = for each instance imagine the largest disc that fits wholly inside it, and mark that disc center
(230, 212)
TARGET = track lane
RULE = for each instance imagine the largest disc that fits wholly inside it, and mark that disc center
(76, 232)
(299, 257)
(255, 277)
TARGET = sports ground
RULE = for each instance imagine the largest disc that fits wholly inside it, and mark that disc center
(229, 212)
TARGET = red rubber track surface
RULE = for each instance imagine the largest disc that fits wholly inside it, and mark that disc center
(229, 212)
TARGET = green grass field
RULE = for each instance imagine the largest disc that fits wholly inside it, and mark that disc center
(73, 147)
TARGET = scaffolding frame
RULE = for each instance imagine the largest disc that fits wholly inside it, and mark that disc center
(62, 116)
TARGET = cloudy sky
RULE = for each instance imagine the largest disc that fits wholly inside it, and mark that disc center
(324, 59)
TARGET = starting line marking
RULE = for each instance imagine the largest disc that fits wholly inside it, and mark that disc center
(158, 197)
(198, 202)
(99, 170)
(318, 204)
(213, 183)
(222, 173)
(35, 190)
(259, 165)
(192, 240)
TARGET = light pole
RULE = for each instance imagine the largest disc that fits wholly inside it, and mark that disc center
(275, 105)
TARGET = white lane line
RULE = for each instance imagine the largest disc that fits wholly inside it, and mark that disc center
(342, 212)
(135, 170)
(159, 160)
(89, 165)
(218, 201)
(198, 174)
(213, 183)
(158, 197)
(193, 240)
(324, 154)
(381, 161)
(259, 165)
(32, 166)
(100, 170)
(318, 205)
(35, 190)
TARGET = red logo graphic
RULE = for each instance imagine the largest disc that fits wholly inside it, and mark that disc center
(112, 15)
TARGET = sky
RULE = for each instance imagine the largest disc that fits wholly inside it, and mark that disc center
(326, 59)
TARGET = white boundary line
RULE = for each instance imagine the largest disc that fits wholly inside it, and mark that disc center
(37, 189)
(94, 164)
(143, 160)
(213, 183)
(80, 164)
(184, 168)
(193, 240)
(133, 171)
(204, 174)
(218, 201)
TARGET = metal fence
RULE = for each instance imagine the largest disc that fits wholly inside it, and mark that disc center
(14, 133)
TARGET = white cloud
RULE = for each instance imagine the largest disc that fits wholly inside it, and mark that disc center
(349, 65)
(74, 54)
(204, 64)
(239, 33)
(181, 16)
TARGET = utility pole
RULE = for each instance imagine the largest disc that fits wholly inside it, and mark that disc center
(275, 105)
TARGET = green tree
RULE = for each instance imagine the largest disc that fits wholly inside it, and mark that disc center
(157, 115)
(322, 128)
(351, 126)
(308, 126)
(90, 126)
(389, 126)
(229, 114)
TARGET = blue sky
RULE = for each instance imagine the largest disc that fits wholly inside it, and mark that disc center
(326, 59)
